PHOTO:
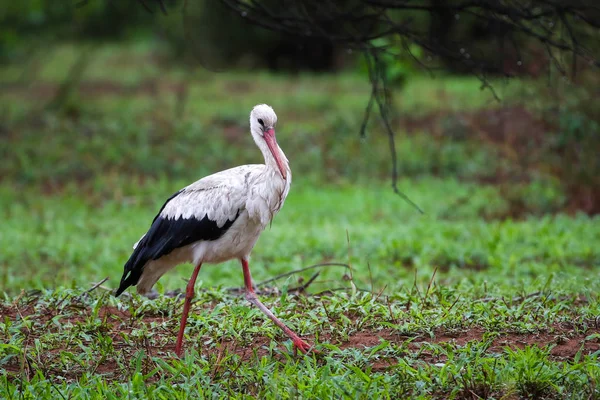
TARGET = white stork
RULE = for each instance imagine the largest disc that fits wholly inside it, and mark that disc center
(216, 219)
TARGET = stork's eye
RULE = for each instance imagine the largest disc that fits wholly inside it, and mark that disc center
(261, 122)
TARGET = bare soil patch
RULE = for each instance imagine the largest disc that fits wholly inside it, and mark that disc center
(565, 341)
(513, 126)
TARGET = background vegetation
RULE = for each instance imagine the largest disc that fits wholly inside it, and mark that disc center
(106, 110)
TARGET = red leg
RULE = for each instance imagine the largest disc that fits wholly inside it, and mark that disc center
(252, 298)
(189, 295)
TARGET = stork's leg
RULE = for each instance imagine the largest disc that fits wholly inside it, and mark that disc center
(189, 295)
(252, 298)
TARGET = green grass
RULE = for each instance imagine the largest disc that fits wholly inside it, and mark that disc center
(462, 302)
(110, 354)
(71, 238)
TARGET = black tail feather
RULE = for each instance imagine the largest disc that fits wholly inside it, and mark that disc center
(164, 236)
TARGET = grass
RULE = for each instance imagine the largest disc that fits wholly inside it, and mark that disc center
(463, 302)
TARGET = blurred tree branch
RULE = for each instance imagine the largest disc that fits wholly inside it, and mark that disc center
(560, 27)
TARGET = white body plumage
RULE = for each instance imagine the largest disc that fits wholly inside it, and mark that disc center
(253, 193)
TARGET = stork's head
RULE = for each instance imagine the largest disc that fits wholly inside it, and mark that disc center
(262, 125)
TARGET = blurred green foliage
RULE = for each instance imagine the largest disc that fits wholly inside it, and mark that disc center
(205, 32)
(150, 105)
(37, 23)
(399, 62)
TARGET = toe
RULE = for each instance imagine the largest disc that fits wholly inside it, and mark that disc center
(302, 346)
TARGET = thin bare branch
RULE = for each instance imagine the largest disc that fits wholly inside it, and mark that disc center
(296, 271)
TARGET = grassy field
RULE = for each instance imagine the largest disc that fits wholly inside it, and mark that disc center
(492, 293)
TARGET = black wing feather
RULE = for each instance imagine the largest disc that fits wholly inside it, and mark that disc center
(166, 235)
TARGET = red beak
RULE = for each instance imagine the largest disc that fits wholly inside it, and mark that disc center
(275, 151)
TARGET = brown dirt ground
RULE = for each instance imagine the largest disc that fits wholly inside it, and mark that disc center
(566, 339)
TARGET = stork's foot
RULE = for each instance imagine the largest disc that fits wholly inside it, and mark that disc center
(301, 345)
